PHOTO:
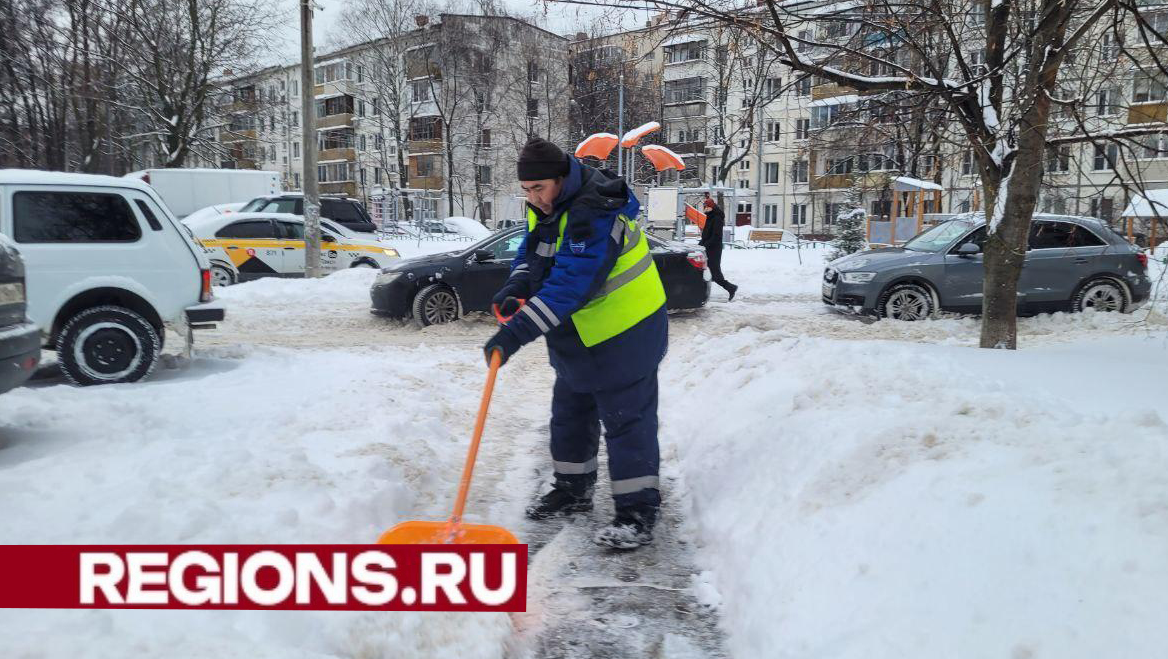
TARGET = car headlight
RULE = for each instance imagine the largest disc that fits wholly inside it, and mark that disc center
(858, 277)
(386, 277)
(390, 252)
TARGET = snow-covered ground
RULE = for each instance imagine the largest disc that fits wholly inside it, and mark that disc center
(855, 489)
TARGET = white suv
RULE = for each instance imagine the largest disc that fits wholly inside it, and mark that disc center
(107, 269)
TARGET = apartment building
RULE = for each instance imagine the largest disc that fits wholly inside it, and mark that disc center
(795, 144)
(429, 122)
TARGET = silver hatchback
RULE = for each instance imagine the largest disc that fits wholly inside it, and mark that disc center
(1072, 264)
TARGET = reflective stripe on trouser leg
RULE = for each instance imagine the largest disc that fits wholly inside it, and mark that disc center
(630, 435)
(575, 437)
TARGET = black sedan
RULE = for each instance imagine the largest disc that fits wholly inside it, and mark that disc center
(439, 288)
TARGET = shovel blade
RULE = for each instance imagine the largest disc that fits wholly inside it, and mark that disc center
(438, 533)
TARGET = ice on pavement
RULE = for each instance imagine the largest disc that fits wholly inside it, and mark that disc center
(853, 489)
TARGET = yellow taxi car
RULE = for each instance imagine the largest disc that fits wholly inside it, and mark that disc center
(246, 246)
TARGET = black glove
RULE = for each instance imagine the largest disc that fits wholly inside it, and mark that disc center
(509, 306)
(504, 341)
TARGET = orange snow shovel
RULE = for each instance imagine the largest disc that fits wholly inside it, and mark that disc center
(453, 531)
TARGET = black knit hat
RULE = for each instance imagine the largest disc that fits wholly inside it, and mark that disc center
(540, 159)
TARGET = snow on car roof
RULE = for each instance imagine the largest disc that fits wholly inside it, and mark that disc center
(39, 177)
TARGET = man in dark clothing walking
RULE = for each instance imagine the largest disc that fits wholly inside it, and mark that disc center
(712, 241)
(585, 280)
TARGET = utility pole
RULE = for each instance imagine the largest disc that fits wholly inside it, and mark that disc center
(620, 121)
(308, 114)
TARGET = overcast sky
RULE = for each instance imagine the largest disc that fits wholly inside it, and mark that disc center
(557, 17)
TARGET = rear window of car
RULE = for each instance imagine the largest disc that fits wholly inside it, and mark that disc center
(341, 211)
(292, 230)
(1061, 235)
(248, 229)
(73, 217)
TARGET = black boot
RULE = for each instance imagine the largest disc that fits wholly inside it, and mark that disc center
(568, 496)
(732, 290)
(632, 528)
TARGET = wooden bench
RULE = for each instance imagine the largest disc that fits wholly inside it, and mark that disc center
(764, 237)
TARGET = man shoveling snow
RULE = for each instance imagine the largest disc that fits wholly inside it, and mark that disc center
(584, 278)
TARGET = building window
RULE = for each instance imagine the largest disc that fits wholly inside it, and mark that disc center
(1106, 155)
(333, 72)
(482, 100)
(296, 92)
(803, 85)
(296, 180)
(1147, 88)
(377, 176)
(773, 130)
(967, 168)
(837, 166)
(803, 38)
(272, 153)
(361, 175)
(425, 128)
(798, 214)
(799, 171)
(485, 138)
(426, 166)
(977, 13)
(376, 109)
(824, 115)
(744, 165)
(802, 129)
(743, 183)
(1105, 102)
(772, 172)
(1058, 159)
(361, 78)
(337, 139)
(420, 90)
(770, 214)
(295, 119)
(485, 210)
(772, 88)
(361, 108)
(685, 90)
(689, 135)
(364, 144)
(296, 149)
(533, 108)
(1153, 146)
(484, 173)
(532, 72)
(335, 105)
(685, 52)
(1103, 208)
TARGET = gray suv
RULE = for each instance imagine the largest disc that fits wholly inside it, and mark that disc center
(1072, 263)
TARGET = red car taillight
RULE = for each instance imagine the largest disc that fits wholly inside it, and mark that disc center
(1142, 258)
(205, 294)
(697, 260)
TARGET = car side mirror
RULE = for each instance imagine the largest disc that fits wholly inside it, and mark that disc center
(481, 255)
(968, 249)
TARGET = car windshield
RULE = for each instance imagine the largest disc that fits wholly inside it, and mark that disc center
(939, 237)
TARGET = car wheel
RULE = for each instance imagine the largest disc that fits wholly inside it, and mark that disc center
(108, 345)
(906, 302)
(1100, 294)
(221, 276)
(363, 263)
(435, 304)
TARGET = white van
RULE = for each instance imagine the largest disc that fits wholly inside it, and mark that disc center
(107, 270)
(188, 190)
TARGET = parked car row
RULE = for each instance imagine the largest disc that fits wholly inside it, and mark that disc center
(1071, 264)
(440, 288)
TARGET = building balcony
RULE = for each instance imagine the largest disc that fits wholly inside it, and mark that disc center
(237, 135)
(333, 155)
(347, 188)
(335, 121)
(1146, 113)
(334, 88)
(680, 110)
(688, 148)
(425, 146)
(427, 182)
(832, 181)
(830, 90)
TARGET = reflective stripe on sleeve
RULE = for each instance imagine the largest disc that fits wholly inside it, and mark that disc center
(545, 311)
(545, 249)
(530, 312)
(630, 485)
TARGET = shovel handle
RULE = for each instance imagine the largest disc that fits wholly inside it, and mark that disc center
(480, 422)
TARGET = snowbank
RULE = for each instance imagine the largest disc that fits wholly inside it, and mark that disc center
(876, 499)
